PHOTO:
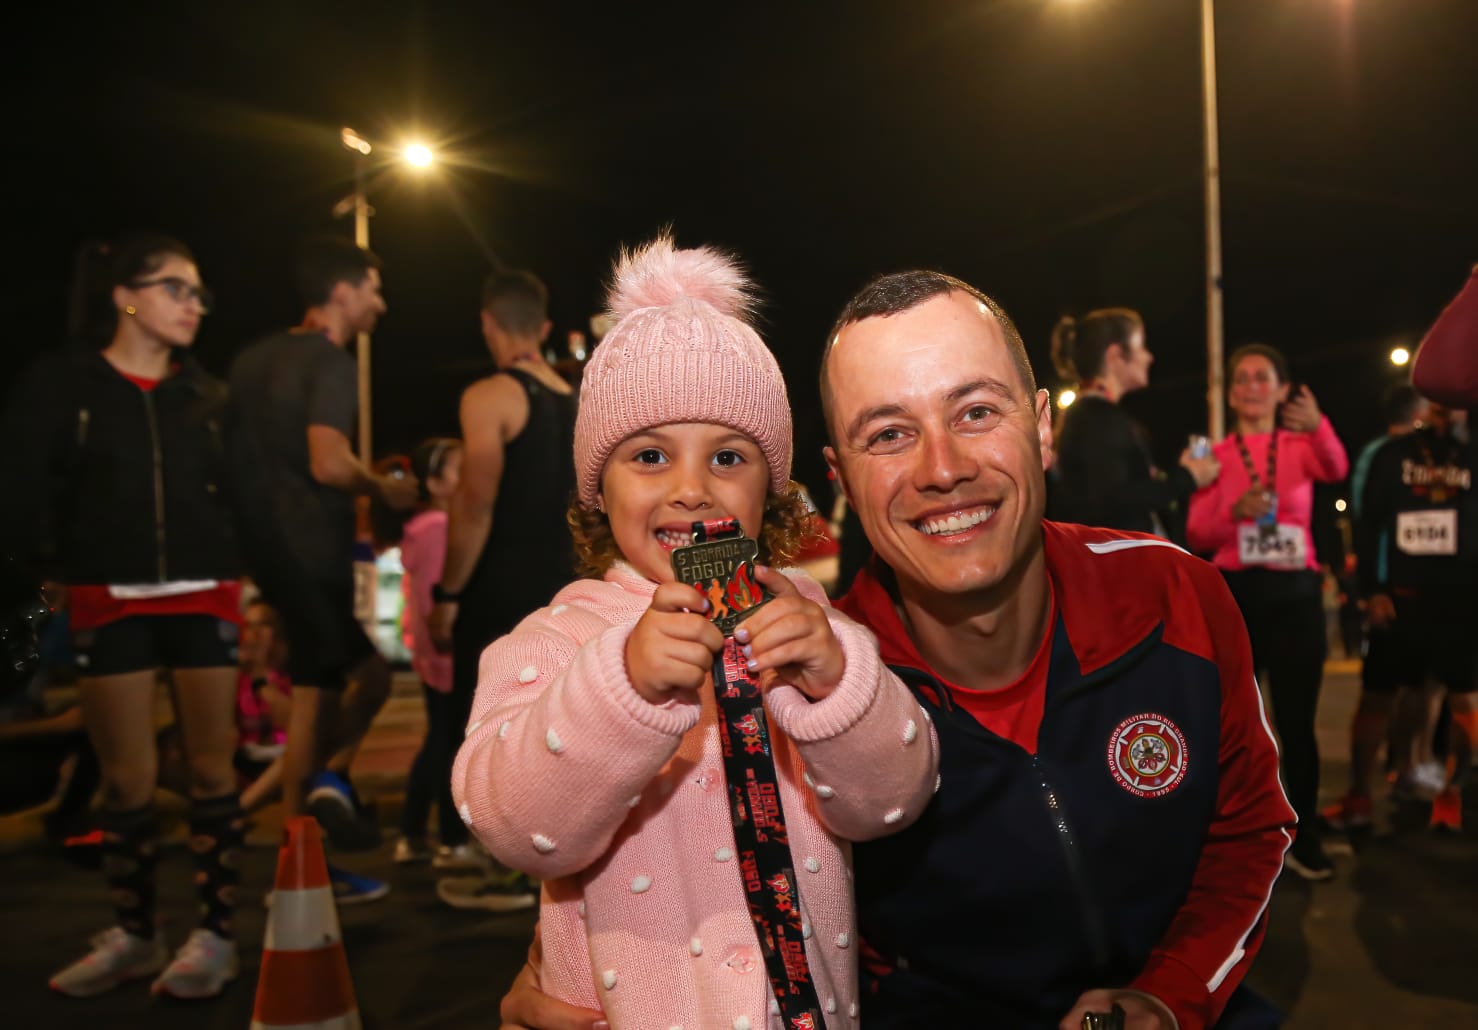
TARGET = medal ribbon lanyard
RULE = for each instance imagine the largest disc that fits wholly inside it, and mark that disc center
(760, 830)
(1271, 483)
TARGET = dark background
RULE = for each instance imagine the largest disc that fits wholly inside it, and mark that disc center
(1048, 151)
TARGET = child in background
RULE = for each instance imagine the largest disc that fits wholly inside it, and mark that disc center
(594, 759)
(437, 465)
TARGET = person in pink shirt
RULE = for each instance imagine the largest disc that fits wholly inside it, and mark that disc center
(692, 838)
(1254, 521)
(437, 465)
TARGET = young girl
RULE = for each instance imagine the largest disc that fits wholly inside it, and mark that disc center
(595, 759)
(437, 465)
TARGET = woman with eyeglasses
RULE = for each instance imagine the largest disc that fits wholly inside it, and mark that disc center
(117, 497)
(1256, 523)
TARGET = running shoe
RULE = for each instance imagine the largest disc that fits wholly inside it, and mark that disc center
(201, 968)
(409, 852)
(1447, 811)
(331, 801)
(1353, 811)
(1309, 861)
(116, 956)
(514, 893)
(462, 856)
(353, 889)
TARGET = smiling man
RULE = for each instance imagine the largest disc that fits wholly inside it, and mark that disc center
(1109, 823)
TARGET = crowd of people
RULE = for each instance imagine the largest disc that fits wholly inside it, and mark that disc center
(735, 804)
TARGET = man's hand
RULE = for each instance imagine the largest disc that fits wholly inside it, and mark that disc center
(790, 640)
(439, 623)
(1301, 413)
(1141, 1011)
(525, 1007)
(1203, 470)
(1380, 611)
(673, 645)
(400, 492)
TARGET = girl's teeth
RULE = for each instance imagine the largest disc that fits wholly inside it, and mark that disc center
(671, 539)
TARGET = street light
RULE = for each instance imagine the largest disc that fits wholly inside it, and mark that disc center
(418, 155)
(1400, 356)
(1066, 397)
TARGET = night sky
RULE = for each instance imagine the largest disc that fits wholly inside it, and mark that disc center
(1047, 151)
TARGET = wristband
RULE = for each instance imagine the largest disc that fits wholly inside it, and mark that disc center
(441, 596)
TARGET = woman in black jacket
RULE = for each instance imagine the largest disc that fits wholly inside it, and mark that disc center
(119, 503)
(1103, 475)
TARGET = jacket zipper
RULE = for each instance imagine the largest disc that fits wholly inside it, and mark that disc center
(158, 483)
(1092, 918)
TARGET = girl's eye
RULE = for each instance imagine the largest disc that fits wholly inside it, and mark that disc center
(728, 459)
(650, 456)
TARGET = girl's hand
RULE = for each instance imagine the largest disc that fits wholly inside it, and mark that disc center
(1252, 505)
(1301, 413)
(673, 645)
(790, 640)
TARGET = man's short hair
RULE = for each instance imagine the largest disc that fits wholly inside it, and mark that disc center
(1401, 404)
(518, 301)
(897, 292)
(322, 262)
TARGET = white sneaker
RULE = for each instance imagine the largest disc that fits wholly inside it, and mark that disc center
(201, 968)
(408, 852)
(117, 956)
(462, 856)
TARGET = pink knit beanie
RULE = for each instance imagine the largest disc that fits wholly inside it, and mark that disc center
(680, 351)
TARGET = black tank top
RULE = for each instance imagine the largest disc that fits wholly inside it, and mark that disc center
(528, 555)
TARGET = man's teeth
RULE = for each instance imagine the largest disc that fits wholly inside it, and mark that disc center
(668, 538)
(955, 523)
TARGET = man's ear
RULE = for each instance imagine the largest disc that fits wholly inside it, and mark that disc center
(544, 331)
(832, 462)
(1044, 428)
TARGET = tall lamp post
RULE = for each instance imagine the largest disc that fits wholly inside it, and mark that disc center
(1215, 374)
(357, 203)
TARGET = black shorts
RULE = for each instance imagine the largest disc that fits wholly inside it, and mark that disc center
(324, 639)
(1425, 642)
(143, 642)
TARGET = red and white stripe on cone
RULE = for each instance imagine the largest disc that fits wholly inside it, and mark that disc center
(304, 984)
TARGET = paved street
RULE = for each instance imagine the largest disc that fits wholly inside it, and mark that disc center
(1389, 943)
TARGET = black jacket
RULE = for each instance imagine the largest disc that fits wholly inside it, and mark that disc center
(108, 483)
(1104, 476)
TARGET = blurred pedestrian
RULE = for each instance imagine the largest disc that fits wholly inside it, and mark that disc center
(1255, 522)
(119, 498)
(1104, 474)
(293, 414)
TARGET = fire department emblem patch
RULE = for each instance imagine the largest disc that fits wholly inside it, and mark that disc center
(1147, 755)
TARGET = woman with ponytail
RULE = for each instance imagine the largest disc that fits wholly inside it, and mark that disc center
(1104, 475)
(120, 501)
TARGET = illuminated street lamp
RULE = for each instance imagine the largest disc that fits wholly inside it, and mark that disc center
(1066, 397)
(417, 155)
(1400, 356)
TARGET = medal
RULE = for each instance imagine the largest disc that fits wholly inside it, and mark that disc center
(720, 564)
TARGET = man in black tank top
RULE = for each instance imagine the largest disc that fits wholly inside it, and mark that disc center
(508, 545)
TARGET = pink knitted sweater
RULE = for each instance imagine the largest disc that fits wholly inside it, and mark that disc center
(619, 806)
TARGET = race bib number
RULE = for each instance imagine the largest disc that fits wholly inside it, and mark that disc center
(1427, 532)
(1277, 547)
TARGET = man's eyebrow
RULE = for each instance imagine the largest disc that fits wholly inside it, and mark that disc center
(864, 417)
(988, 384)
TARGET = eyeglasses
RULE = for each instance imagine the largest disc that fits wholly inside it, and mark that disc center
(180, 290)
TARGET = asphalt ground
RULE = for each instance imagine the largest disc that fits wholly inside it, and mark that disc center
(1390, 942)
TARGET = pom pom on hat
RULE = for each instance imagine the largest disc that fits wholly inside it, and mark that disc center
(681, 351)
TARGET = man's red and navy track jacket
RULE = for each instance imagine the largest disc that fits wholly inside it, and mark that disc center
(1137, 847)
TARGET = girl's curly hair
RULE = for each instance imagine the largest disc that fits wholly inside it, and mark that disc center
(789, 526)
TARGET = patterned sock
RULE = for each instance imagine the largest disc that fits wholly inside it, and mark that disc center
(129, 855)
(217, 830)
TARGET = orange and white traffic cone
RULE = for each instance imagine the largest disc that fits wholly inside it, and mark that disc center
(305, 981)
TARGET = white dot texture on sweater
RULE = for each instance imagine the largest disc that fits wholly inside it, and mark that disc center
(465, 813)
(843, 939)
(722, 855)
(528, 674)
(910, 732)
(641, 885)
(812, 865)
(893, 815)
(553, 743)
(542, 844)
(823, 791)
(609, 979)
(741, 1023)
(696, 947)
